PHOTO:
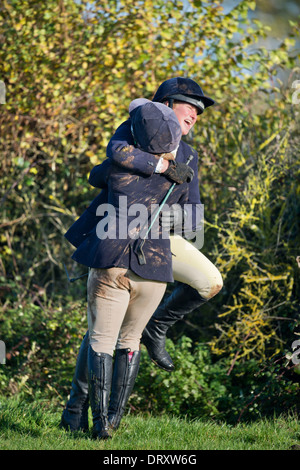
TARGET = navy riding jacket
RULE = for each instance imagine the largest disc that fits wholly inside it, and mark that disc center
(129, 172)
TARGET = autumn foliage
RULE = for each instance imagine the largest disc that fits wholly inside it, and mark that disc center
(70, 71)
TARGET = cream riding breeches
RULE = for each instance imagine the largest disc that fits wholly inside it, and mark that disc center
(120, 304)
(191, 267)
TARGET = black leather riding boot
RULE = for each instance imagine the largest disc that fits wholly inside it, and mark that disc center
(124, 376)
(75, 415)
(183, 300)
(99, 377)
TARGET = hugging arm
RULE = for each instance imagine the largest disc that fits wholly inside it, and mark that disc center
(100, 174)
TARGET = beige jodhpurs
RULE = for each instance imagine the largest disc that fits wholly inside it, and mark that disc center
(191, 267)
(120, 304)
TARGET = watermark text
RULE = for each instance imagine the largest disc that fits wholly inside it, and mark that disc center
(2, 352)
(123, 221)
(2, 92)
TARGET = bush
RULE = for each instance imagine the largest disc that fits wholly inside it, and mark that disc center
(65, 66)
(42, 345)
(203, 387)
(42, 341)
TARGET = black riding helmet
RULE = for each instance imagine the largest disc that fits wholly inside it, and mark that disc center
(183, 89)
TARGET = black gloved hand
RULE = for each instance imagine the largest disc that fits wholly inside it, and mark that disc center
(179, 172)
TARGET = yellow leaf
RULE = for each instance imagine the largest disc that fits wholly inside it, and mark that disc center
(266, 142)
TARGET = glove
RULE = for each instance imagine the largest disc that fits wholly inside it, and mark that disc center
(179, 172)
(172, 218)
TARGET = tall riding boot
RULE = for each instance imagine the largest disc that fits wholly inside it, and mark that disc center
(99, 376)
(183, 300)
(75, 415)
(126, 369)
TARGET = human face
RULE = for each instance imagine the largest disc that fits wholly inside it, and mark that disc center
(186, 114)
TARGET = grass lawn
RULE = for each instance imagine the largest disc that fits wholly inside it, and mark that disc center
(34, 426)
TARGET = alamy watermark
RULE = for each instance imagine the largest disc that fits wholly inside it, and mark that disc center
(2, 352)
(123, 221)
(2, 92)
(296, 94)
(295, 357)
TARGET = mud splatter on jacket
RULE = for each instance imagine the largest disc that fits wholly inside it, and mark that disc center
(133, 177)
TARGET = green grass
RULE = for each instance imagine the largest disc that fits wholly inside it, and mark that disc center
(34, 426)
